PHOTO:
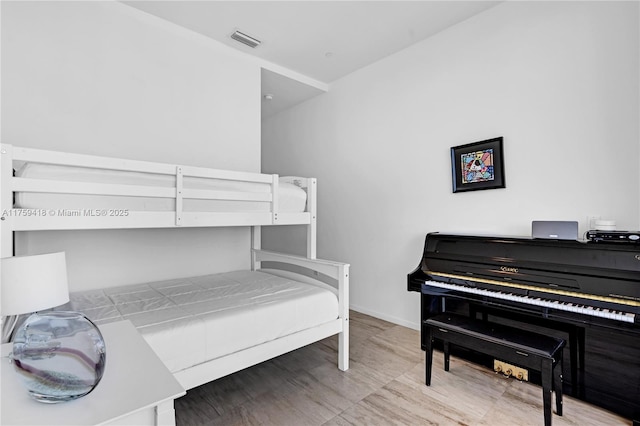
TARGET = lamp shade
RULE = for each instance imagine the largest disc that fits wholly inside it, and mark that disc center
(33, 283)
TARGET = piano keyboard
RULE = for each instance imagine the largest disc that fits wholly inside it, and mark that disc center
(537, 301)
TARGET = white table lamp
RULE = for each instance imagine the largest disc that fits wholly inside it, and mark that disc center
(59, 355)
(33, 283)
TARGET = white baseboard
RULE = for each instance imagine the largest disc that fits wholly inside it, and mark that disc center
(382, 316)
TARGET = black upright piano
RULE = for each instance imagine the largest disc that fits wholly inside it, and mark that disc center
(585, 292)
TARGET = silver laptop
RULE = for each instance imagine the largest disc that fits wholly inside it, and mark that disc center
(556, 230)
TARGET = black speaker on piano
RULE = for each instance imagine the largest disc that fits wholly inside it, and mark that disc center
(624, 237)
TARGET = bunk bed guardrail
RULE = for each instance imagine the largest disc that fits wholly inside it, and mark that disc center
(261, 189)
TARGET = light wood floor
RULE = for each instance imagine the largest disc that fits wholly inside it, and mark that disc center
(384, 386)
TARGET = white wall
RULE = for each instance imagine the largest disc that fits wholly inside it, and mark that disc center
(559, 80)
(103, 78)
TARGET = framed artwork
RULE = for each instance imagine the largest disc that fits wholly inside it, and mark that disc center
(478, 165)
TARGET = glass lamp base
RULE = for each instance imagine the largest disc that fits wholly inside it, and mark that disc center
(60, 356)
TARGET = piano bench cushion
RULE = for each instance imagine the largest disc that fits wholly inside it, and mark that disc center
(497, 335)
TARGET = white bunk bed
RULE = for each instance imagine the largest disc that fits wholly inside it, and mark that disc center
(63, 191)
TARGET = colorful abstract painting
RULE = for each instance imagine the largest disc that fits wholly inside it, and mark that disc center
(477, 166)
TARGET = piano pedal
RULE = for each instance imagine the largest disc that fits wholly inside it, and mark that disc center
(509, 370)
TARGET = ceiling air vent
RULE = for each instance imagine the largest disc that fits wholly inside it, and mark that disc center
(245, 39)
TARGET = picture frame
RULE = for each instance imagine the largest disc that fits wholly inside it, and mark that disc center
(478, 165)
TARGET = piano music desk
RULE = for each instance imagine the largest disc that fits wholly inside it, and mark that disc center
(523, 348)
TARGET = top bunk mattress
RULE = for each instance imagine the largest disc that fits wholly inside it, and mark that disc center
(193, 320)
(291, 198)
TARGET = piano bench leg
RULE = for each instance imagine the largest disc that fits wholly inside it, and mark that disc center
(557, 384)
(447, 355)
(552, 381)
(547, 389)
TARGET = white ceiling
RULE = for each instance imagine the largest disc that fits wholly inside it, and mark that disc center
(322, 40)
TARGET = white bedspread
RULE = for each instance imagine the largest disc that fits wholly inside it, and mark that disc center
(193, 320)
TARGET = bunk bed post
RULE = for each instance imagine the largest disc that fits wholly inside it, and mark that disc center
(179, 197)
(312, 208)
(275, 207)
(6, 200)
(343, 308)
(6, 233)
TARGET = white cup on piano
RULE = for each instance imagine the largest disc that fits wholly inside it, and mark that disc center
(605, 225)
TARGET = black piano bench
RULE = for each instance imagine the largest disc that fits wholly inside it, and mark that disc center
(522, 348)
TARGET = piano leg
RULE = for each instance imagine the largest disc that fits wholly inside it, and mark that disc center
(429, 306)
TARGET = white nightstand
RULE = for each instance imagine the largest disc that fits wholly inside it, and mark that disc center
(136, 389)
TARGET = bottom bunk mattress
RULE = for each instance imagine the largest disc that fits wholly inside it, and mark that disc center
(193, 320)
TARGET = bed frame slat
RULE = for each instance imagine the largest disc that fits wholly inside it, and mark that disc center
(31, 155)
(205, 194)
(70, 219)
